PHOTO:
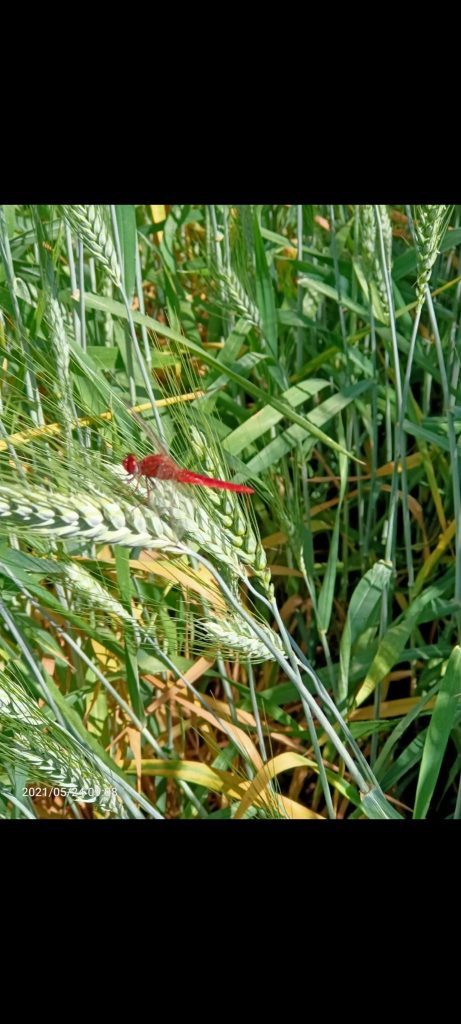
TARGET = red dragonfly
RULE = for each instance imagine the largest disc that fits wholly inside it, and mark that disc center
(163, 467)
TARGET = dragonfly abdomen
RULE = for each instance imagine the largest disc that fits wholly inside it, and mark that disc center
(186, 477)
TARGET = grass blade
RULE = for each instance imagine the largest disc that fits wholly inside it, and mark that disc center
(438, 734)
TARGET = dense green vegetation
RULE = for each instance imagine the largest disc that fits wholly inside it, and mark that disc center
(169, 649)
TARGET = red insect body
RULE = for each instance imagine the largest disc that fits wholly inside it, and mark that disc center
(185, 477)
(164, 468)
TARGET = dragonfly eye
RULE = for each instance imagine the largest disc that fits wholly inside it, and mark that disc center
(130, 463)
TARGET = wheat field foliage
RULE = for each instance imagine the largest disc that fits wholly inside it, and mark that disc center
(170, 650)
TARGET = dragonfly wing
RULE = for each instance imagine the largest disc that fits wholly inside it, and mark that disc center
(147, 429)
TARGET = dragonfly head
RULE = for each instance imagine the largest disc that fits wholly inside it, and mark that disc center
(130, 463)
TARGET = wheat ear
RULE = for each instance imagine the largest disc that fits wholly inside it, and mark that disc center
(430, 224)
(234, 520)
(235, 636)
(171, 518)
(88, 224)
(231, 634)
(46, 751)
(244, 306)
(371, 253)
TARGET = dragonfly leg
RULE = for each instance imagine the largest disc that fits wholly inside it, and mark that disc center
(134, 476)
(146, 484)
